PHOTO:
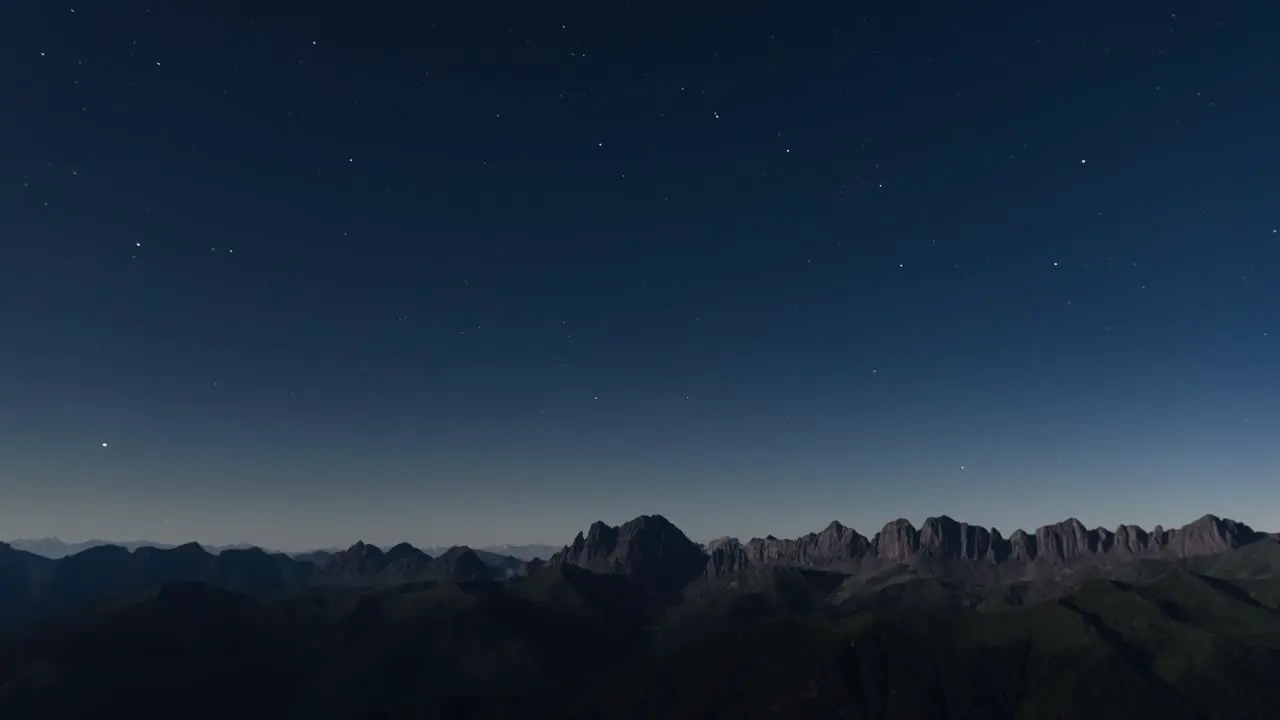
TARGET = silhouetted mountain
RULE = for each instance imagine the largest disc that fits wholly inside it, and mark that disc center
(359, 564)
(462, 564)
(53, 548)
(363, 564)
(507, 558)
(414, 564)
(648, 550)
(402, 563)
(32, 586)
(501, 554)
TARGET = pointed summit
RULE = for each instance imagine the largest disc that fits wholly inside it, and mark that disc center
(1210, 534)
(405, 551)
(648, 549)
(403, 563)
(358, 563)
(460, 564)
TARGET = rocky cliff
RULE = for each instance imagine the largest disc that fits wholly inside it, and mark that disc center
(943, 539)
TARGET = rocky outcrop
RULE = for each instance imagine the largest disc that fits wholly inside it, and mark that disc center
(836, 544)
(1022, 546)
(1130, 540)
(1210, 534)
(726, 556)
(943, 539)
(1065, 543)
(897, 541)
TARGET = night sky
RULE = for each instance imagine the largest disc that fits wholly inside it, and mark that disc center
(305, 273)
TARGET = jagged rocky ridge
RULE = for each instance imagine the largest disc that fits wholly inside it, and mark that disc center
(638, 548)
(649, 551)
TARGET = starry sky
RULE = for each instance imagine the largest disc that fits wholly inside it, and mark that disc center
(305, 273)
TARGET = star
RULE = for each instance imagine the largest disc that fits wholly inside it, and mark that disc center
(104, 444)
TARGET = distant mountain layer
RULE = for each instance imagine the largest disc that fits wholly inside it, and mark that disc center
(54, 548)
(943, 621)
(33, 586)
(519, 552)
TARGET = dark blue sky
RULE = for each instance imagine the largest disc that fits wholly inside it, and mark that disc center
(299, 274)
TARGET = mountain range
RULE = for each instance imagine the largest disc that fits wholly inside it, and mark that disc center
(947, 620)
(34, 586)
(52, 547)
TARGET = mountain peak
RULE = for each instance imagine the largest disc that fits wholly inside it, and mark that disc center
(648, 548)
(647, 521)
(1210, 534)
(460, 563)
(405, 551)
(356, 563)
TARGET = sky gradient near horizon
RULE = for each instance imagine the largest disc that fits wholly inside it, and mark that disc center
(298, 277)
